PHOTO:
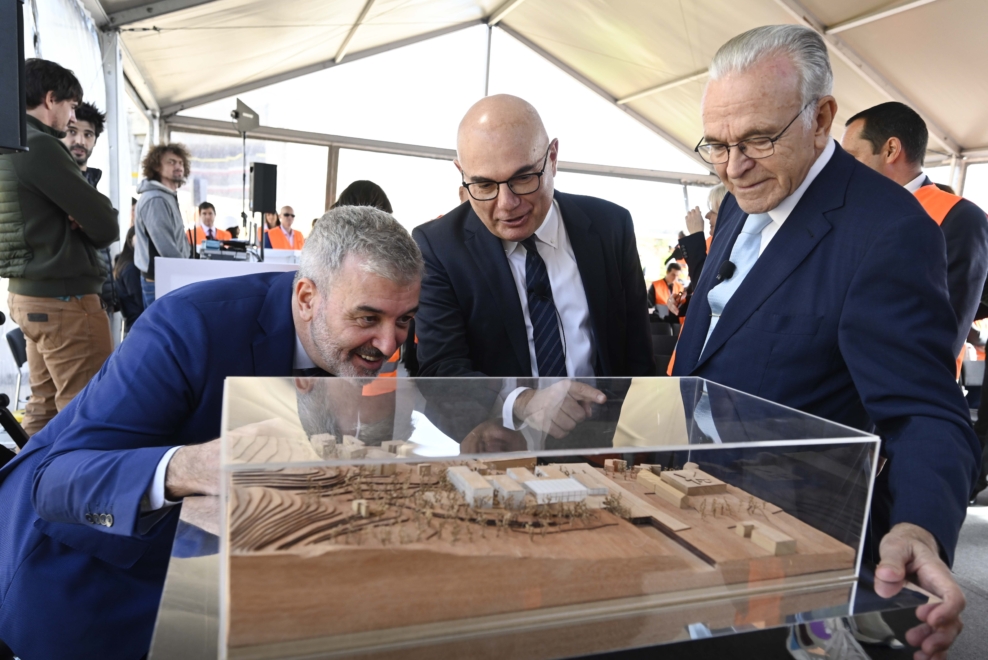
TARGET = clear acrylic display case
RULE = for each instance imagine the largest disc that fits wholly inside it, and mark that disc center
(420, 518)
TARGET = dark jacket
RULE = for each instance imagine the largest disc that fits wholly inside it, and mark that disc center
(965, 230)
(64, 578)
(858, 254)
(470, 320)
(129, 295)
(109, 291)
(39, 189)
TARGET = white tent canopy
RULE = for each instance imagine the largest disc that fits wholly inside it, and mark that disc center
(649, 57)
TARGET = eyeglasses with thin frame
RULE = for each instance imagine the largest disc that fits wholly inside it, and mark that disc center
(754, 148)
(522, 184)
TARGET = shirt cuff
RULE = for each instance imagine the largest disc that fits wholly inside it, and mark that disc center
(508, 412)
(154, 498)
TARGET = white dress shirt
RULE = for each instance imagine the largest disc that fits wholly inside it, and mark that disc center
(785, 207)
(916, 183)
(154, 498)
(289, 234)
(568, 295)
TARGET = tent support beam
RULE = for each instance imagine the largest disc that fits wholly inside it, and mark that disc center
(498, 14)
(341, 53)
(840, 48)
(226, 128)
(603, 93)
(672, 84)
(889, 10)
(151, 10)
(311, 68)
(332, 175)
(487, 62)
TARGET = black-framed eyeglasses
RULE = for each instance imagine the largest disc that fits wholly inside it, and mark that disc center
(522, 184)
(754, 148)
(288, 215)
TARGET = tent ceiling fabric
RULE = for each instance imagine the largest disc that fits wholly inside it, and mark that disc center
(622, 46)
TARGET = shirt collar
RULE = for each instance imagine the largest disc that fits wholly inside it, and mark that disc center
(785, 207)
(548, 233)
(301, 359)
(286, 232)
(916, 183)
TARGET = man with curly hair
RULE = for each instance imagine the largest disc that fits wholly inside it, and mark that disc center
(52, 224)
(160, 230)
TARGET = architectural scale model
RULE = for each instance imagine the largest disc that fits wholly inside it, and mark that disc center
(351, 549)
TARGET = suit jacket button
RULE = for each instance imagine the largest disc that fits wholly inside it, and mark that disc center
(102, 519)
(109, 520)
(89, 518)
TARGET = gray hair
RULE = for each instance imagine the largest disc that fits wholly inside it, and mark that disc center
(805, 46)
(716, 196)
(386, 247)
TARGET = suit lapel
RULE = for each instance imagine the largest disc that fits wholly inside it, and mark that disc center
(730, 222)
(488, 252)
(796, 239)
(273, 349)
(590, 262)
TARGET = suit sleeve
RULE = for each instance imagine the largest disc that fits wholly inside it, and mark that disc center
(906, 378)
(965, 229)
(638, 340)
(124, 421)
(694, 248)
(440, 325)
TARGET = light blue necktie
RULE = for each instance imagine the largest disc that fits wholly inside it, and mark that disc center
(743, 256)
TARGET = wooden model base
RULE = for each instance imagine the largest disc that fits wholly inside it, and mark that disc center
(341, 551)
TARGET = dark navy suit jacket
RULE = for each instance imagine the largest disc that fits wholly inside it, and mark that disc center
(845, 315)
(470, 321)
(72, 588)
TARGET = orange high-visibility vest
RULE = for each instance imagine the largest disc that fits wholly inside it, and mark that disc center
(662, 291)
(218, 234)
(938, 204)
(387, 380)
(279, 241)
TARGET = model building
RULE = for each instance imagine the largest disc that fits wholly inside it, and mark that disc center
(358, 548)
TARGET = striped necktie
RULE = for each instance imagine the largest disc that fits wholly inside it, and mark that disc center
(549, 354)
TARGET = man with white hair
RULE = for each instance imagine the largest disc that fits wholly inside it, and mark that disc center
(92, 501)
(823, 253)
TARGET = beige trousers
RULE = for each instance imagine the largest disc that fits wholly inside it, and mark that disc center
(67, 344)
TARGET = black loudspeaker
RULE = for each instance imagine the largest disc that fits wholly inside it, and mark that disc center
(13, 116)
(263, 188)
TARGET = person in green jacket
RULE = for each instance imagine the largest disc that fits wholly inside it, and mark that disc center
(52, 223)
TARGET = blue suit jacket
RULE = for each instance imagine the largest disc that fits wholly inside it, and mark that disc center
(470, 321)
(72, 588)
(845, 315)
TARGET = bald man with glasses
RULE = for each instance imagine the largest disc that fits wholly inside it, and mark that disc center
(523, 280)
(282, 236)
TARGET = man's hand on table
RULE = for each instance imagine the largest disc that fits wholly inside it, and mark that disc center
(194, 470)
(911, 550)
(557, 410)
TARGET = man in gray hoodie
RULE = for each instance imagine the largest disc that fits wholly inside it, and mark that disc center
(159, 227)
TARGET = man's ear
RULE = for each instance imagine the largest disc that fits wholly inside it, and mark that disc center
(305, 297)
(49, 101)
(826, 111)
(892, 150)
